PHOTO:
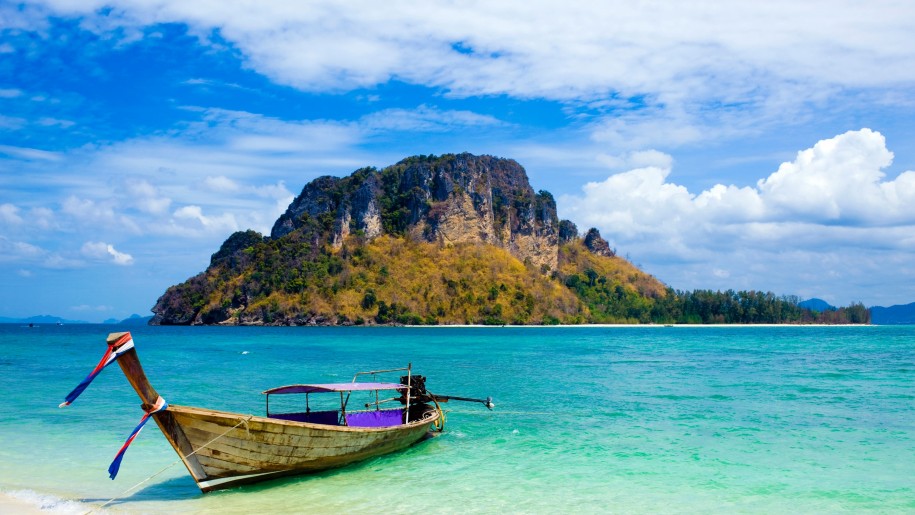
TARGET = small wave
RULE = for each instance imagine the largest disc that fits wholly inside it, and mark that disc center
(47, 503)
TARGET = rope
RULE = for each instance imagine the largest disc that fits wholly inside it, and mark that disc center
(170, 465)
(439, 424)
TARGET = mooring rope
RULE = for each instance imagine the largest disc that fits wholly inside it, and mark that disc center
(170, 465)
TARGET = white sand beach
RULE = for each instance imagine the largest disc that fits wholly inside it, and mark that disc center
(27, 502)
(10, 504)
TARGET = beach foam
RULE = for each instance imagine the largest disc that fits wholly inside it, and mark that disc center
(29, 502)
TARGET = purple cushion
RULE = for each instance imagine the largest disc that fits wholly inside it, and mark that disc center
(383, 418)
(327, 418)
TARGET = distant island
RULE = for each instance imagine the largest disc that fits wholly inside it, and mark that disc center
(893, 315)
(131, 320)
(451, 239)
(816, 305)
(40, 319)
(55, 320)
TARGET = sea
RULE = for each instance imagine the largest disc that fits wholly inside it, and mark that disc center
(726, 419)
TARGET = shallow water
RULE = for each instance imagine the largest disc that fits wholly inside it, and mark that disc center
(631, 420)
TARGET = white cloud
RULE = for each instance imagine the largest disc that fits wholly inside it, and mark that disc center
(86, 209)
(12, 123)
(647, 127)
(225, 223)
(55, 122)
(221, 184)
(42, 218)
(120, 258)
(632, 203)
(832, 204)
(656, 75)
(14, 251)
(637, 159)
(425, 118)
(184, 191)
(549, 49)
(274, 191)
(30, 154)
(9, 92)
(9, 214)
(61, 262)
(146, 197)
(99, 251)
(839, 180)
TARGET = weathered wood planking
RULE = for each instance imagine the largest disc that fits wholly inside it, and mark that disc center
(222, 449)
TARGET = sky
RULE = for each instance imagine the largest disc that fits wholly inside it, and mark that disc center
(717, 145)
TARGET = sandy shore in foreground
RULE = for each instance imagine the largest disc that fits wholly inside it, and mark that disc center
(10, 504)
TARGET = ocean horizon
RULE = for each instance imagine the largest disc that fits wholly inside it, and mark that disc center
(631, 419)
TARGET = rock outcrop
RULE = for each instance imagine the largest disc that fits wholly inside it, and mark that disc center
(450, 199)
(598, 245)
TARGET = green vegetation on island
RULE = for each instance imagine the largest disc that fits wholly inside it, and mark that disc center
(455, 239)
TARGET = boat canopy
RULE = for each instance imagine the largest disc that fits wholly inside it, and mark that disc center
(334, 387)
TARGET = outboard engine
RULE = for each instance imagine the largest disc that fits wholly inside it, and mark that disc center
(418, 391)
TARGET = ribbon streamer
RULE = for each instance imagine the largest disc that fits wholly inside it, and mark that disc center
(120, 346)
(116, 464)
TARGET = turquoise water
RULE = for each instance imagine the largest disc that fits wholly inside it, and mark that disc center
(620, 420)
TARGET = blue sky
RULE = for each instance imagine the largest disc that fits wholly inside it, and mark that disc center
(746, 145)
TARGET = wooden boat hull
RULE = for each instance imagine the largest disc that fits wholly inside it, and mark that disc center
(222, 449)
(230, 449)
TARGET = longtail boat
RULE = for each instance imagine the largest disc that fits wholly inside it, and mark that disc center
(222, 449)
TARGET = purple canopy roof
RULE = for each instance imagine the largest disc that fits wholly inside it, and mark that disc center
(334, 387)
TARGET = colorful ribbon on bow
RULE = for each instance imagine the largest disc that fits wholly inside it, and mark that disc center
(160, 405)
(115, 349)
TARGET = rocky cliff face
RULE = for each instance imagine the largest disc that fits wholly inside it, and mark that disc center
(451, 199)
(454, 239)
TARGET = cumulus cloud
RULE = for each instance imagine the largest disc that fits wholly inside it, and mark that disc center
(832, 203)
(100, 251)
(839, 181)
(191, 218)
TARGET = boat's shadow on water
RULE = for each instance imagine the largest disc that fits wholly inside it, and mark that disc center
(175, 489)
(183, 489)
